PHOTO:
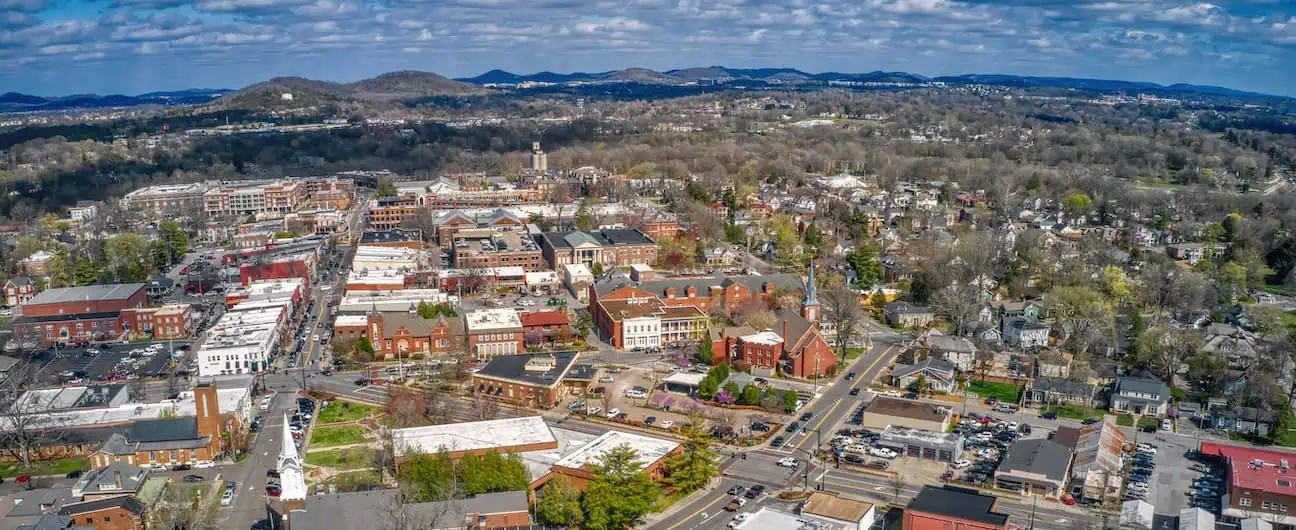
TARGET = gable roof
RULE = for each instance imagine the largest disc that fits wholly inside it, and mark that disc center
(163, 430)
(905, 308)
(125, 502)
(1143, 385)
(930, 365)
(545, 318)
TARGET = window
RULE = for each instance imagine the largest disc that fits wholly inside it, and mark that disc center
(1244, 502)
(89, 519)
(1282, 508)
(1266, 505)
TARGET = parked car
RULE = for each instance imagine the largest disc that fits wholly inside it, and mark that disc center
(1050, 415)
(755, 491)
(735, 504)
(737, 490)
(649, 420)
(194, 478)
(882, 452)
(777, 442)
(788, 462)
(960, 464)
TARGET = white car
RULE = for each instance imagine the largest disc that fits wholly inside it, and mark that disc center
(1012, 426)
(611, 413)
(892, 393)
(227, 498)
(739, 519)
(204, 464)
(960, 464)
(593, 410)
(882, 452)
(666, 424)
(788, 462)
(1146, 448)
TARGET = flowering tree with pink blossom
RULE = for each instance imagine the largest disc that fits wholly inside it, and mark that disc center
(724, 398)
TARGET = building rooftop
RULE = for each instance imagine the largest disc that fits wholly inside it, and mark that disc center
(539, 369)
(97, 293)
(488, 320)
(360, 510)
(768, 518)
(1045, 458)
(474, 436)
(766, 338)
(961, 503)
(649, 449)
(833, 506)
(395, 235)
(117, 477)
(1266, 470)
(907, 408)
(545, 318)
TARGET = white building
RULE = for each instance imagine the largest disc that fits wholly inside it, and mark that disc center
(244, 339)
(493, 332)
(578, 277)
(376, 258)
(363, 301)
(292, 482)
(641, 332)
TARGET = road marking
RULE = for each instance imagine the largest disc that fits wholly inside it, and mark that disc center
(695, 514)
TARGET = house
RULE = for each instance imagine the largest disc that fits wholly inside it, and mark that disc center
(116, 479)
(547, 325)
(19, 290)
(123, 512)
(1097, 448)
(1054, 391)
(1245, 420)
(901, 314)
(938, 373)
(959, 351)
(1140, 396)
(984, 331)
(160, 286)
(1024, 333)
(719, 256)
(26, 507)
(953, 508)
(1035, 467)
(1053, 365)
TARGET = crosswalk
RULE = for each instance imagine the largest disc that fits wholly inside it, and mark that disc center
(372, 393)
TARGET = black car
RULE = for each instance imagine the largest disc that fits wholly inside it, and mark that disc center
(362, 382)
(776, 442)
(737, 490)
(854, 458)
(760, 427)
(649, 420)
(194, 478)
(755, 491)
(806, 417)
(75, 474)
(854, 392)
(181, 467)
(1089, 421)
(793, 427)
(272, 473)
(1050, 415)
(850, 376)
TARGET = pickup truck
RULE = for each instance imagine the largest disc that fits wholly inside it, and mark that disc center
(735, 504)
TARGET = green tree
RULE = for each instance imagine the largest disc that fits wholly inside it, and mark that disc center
(708, 387)
(596, 269)
(919, 289)
(84, 272)
(160, 253)
(385, 189)
(1034, 182)
(428, 474)
(705, 353)
(920, 385)
(59, 268)
(559, 504)
(691, 469)
(175, 238)
(868, 268)
(364, 345)
(1077, 204)
(732, 388)
(789, 401)
(814, 239)
(1232, 225)
(127, 255)
(620, 493)
(750, 395)
(734, 234)
(584, 219)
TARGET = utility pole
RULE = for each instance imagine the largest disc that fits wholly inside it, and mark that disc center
(1034, 502)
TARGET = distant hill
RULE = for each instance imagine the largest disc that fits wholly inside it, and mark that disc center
(794, 76)
(15, 102)
(388, 87)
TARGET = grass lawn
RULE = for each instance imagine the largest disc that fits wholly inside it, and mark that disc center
(331, 436)
(44, 467)
(1149, 422)
(356, 481)
(342, 411)
(1277, 289)
(1005, 392)
(852, 353)
(1125, 420)
(353, 458)
(1076, 412)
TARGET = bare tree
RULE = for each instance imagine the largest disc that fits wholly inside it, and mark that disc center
(959, 303)
(178, 510)
(27, 426)
(985, 363)
(173, 382)
(137, 388)
(485, 407)
(841, 308)
(896, 484)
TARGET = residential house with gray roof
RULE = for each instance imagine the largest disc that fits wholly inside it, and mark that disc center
(1140, 396)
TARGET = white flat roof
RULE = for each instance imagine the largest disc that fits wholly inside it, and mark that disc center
(685, 378)
(489, 319)
(768, 338)
(473, 436)
(577, 270)
(540, 462)
(768, 518)
(351, 320)
(649, 449)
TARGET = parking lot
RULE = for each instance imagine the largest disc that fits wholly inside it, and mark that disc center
(77, 364)
(1167, 473)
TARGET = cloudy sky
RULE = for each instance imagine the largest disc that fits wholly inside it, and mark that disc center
(59, 47)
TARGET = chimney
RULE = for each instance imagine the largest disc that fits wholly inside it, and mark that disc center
(785, 332)
(117, 478)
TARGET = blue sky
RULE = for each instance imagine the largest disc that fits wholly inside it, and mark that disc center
(59, 47)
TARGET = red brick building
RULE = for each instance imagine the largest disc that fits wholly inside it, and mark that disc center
(279, 268)
(169, 322)
(953, 508)
(537, 380)
(76, 314)
(389, 212)
(122, 512)
(395, 238)
(19, 290)
(403, 332)
(167, 441)
(491, 332)
(706, 293)
(546, 323)
(1260, 482)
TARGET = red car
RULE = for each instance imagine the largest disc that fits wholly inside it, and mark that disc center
(273, 491)
(23, 479)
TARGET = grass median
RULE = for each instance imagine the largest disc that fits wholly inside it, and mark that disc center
(333, 436)
(343, 459)
(343, 411)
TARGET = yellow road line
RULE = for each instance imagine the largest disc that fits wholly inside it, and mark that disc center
(694, 514)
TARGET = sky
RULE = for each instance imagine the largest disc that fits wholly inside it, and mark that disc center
(62, 47)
